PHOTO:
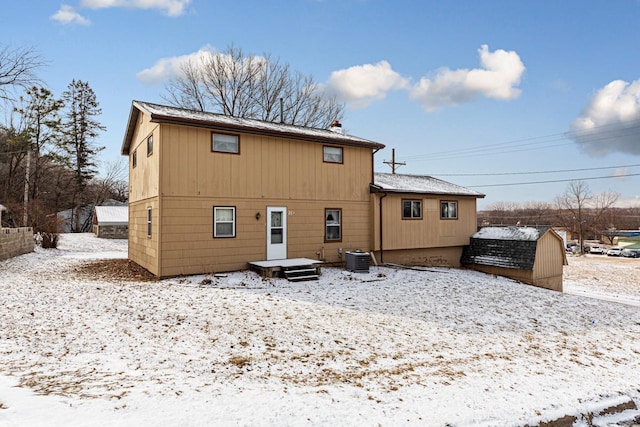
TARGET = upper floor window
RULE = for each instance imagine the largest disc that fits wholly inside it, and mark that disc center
(448, 210)
(134, 158)
(333, 225)
(224, 221)
(225, 143)
(412, 209)
(150, 145)
(332, 154)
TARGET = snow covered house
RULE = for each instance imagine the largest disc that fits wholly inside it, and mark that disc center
(533, 255)
(111, 222)
(421, 220)
(211, 193)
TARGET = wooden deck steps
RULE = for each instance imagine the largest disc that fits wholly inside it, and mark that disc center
(293, 269)
(296, 274)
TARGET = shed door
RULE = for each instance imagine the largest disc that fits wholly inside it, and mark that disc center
(276, 232)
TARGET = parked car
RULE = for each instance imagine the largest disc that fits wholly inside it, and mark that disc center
(614, 251)
(631, 253)
(598, 250)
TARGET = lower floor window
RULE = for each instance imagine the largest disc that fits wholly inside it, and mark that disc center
(448, 210)
(333, 224)
(224, 221)
(148, 222)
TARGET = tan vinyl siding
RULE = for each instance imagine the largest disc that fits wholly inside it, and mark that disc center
(266, 167)
(143, 179)
(428, 232)
(143, 249)
(188, 245)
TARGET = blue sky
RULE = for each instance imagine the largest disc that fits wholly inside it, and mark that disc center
(462, 90)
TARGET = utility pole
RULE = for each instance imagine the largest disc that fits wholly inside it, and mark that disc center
(393, 162)
(25, 212)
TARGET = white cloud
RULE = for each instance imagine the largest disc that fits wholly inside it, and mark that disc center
(167, 68)
(611, 120)
(621, 172)
(67, 15)
(360, 85)
(169, 7)
(497, 78)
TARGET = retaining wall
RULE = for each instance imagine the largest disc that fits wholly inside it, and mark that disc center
(15, 241)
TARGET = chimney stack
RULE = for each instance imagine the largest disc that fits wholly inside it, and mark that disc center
(336, 127)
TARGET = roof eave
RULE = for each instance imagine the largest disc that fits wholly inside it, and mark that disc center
(161, 118)
(131, 125)
(379, 189)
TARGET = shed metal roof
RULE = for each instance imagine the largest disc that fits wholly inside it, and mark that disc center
(508, 247)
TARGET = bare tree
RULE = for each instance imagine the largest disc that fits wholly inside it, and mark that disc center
(17, 69)
(257, 87)
(582, 209)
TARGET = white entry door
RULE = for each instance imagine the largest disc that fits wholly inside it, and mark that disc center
(276, 232)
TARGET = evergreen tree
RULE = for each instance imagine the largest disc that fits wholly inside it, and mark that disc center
(40, 113)
(80, 131)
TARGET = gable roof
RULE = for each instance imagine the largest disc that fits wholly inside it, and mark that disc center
(418, 184)
(112, 215)
(181, 116)
(508, 247)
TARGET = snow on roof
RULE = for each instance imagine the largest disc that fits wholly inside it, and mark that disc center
(112, 215)
(420, 184)
(165, 113)
(509, 233)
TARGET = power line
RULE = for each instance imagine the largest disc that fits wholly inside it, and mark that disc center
(497, 148)
(553, 181)
(535, 172)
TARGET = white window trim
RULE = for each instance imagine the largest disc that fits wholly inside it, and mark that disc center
(149, 222)
(216, 222)
(338, 224)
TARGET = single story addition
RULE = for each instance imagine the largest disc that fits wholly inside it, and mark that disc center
(421, 220)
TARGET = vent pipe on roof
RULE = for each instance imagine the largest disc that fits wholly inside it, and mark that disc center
(281, 111)
(336, 127)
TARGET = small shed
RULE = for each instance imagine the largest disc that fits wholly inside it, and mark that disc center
(111, 222)
(533, 255)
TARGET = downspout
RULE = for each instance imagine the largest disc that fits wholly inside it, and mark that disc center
(380, 226)
(373, 180)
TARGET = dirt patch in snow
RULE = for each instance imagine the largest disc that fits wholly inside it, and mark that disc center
(114, 269)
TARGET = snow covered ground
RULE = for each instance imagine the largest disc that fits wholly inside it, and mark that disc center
(391, 347)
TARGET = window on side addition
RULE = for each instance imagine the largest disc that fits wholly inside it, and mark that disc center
(412, 209)
(448, 210)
